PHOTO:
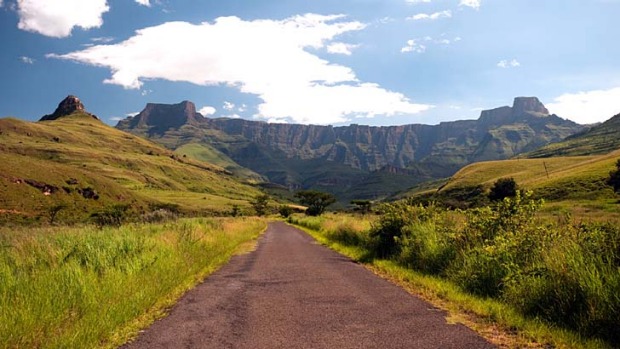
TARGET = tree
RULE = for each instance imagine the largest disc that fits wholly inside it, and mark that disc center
(236, 211)
(54, 210)
(614, 178)
(503, 188)
(260, 204)
(363, 206)
(285, 211)
(316, 201)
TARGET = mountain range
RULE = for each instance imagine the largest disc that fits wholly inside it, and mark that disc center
(356, 161)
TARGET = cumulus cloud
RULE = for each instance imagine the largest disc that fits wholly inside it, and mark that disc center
(475, 4)
(207, 110)
(508, 63)
(341, 48)
(588, 106)
(0, 3)
(432, 16)
(144, 2)
(58, 18)
(27, 60)
(266, 58)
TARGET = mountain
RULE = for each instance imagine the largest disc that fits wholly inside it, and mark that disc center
(599, 139)
(79, 163)
(68, 106)
(356, 161)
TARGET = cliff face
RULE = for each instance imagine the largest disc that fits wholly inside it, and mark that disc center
(310, 155)
(70, 105)
(159, 118)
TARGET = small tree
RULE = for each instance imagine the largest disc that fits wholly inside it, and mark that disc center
(364, 206)
(236, 211)
(54, 210)
(503, 188)
(285, 211)
(614, 178)
(316, 201)
(260, 204)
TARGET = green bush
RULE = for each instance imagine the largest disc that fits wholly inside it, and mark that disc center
(426, 247)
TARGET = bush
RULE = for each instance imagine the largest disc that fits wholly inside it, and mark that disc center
(113, 216)
(426, 247)
(285, 211)
(503, 188)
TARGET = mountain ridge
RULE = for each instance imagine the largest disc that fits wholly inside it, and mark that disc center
(350, 155)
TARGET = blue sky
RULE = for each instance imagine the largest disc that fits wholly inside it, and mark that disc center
(377, 62)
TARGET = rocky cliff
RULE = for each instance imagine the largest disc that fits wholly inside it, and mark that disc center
(68, 106)
(342, 158)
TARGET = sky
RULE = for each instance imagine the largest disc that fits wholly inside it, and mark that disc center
(373, 62)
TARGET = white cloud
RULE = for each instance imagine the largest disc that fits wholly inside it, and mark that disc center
(0, 3)
(144, 2)
(103, 40)
(132, 114)
(475, 4)
(207, 110)
(228, 106)
(508, 63)
(266, 58)
(413, 46)
(587, 107)
(58, 18)
(341, 48)
(432, 16)
(417, 1)
(27, 60)
(116, 118)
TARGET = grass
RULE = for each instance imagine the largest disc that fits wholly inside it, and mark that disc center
(86, 288)
(547, 272)
(120, 167)
(206, 153)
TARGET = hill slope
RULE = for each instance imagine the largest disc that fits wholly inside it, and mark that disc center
(600, 139)
(78, 161)
(346, 160)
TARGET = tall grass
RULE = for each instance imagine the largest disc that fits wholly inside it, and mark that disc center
(559, 271)
(84, 287)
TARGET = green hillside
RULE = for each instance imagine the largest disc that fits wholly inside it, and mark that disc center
(573, 184)
(600, 139)
(87, 166)
(206, 153)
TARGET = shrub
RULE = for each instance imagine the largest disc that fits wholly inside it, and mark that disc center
(503, 188)
(426, 247)
(285, 211)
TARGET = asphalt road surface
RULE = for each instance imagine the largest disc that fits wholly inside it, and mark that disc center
(293, 293)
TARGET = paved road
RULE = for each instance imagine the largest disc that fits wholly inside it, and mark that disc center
(293, 293)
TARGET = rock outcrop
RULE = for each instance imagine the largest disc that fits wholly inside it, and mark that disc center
(159, 118)
(68, 106)
(310, 155)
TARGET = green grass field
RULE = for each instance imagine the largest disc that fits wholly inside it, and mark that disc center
(88, 288)
(77, 152)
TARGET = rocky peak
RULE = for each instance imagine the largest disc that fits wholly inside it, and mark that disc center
(68, 106)
(528, 105)
(159, 118)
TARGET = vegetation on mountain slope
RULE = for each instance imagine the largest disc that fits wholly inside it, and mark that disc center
(86, 166)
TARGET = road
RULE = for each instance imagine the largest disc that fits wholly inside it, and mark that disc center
(293, 293)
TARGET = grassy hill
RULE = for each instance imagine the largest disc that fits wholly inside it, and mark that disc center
(87, 166)
(574, 184)
(600, 139)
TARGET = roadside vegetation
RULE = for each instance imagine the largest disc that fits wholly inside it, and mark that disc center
(554, 280)
(86, 287)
